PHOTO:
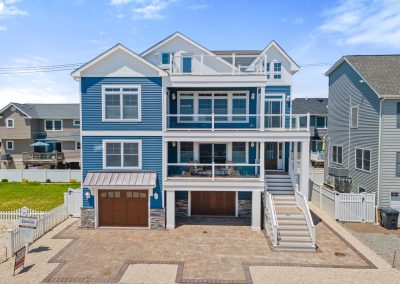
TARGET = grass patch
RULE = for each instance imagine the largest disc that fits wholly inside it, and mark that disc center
(14, 195)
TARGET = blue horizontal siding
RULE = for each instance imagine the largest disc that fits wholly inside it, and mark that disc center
(151, 99)
(92, 160)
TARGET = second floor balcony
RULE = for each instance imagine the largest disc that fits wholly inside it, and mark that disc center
(42, 158)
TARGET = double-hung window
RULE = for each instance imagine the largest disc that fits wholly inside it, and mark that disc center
(10, 145)
(53, 125)
(10, 123)
(239, 107)
(205, 107)
(239, 152)
(186, 152)
(363, 159)
(122, 154)
(337, 154)
(165, 58)
(122, 103)
(186, 107)
(320, 122)
(354, 117)
(277, 70)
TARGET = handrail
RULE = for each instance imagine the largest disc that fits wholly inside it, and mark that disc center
(272, 221)
(302, 203)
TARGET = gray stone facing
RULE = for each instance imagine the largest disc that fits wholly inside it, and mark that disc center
(244, 208)
(87, 217)
(157, 218)
(181, 208)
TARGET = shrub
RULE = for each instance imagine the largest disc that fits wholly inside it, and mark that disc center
(25, 180)
(34, 183)
(4, 180)
(48, 180)
(72, 180)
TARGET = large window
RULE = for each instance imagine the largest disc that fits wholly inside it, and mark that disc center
(121, 103)
(337, 154)
(239, 152)
(122, 154)
(354, 117)
(186, 107)
(186, 152)
(53, 125)
(277, 70)
(363, 159)
(239, 107)
(320, 121)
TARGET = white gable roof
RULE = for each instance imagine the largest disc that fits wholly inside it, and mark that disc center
(118, 61)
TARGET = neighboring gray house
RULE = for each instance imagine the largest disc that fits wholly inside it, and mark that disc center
(53, 128)
(318, 109)
(364, 126)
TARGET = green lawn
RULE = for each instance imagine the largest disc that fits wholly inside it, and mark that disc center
(14, 195)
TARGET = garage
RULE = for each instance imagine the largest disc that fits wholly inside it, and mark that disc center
(213, 203)
(123, 208)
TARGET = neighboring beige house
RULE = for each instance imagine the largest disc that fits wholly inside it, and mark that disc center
(40, 135)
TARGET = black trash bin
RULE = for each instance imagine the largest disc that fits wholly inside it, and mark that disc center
(389, 218)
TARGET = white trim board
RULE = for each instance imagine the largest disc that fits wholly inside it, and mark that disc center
(139, 142)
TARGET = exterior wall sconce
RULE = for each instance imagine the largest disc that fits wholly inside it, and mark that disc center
(253, 96)
(173, 96)
(87, 195)
(252, 144)
(174, 144)
(259, 90)
(155, 195)
(287, 98)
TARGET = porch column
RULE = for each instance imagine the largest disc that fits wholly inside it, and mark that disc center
(256, 211)
(305, 164)
(171, 210)
(262, 161)
(295, 157)
(165, 160)
(262, 109)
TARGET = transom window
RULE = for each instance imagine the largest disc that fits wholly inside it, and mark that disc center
(53, 125)
(363, 159)
(122, 103)
(337, 154)
(122, 154)
(226, 106)
(10, 123)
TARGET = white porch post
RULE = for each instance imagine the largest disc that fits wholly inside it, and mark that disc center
(305, 164)
(262, 109)
(262, 161)
(295, 157)
(256, 211)
(170, 209)
(165, 160)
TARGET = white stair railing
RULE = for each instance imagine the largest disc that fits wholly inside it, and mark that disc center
(302, 203)
(272, 222)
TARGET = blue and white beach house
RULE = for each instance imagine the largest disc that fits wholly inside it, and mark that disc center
(180, 130)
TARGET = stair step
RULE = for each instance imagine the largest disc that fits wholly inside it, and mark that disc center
(292, 222)
(297, 239)
(294, 216)
(304, 232)
(280, 183)
(295, 246)
(281, 192)
(292, 227)
(284, 197)
(285, 202)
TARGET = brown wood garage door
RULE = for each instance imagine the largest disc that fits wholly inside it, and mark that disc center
(123, 208)
(213, 203)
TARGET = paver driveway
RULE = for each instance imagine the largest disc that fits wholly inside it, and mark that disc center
(204, 252)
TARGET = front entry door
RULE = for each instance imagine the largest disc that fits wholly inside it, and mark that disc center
(271, 155)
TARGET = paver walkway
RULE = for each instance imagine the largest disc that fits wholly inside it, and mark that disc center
(202, 252)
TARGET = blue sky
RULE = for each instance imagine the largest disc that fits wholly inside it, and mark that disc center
(39, 32)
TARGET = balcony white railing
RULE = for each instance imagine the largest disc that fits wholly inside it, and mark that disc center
(215, 122)
(213, 171)
(302, 203)
(204, 64)
(271, 223)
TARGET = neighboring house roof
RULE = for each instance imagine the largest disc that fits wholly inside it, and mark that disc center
(119, 46)
(48, 111)
(380, 72)
(314, 106)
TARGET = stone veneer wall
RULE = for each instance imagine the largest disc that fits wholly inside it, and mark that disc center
(157, 218)
(87, 217)
(244, 208)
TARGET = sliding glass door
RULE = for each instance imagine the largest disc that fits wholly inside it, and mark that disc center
(273, 113)
(210, 153)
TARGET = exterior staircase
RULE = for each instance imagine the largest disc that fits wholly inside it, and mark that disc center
(292, 228)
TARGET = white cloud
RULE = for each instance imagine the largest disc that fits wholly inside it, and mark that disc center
(6, 9)
(373, 22)
(144, 9)
(198, 6)
(3, 28)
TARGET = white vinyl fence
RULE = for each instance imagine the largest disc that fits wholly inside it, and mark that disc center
(73, 200)
(15, 214)
(345, 207)
(40, 175)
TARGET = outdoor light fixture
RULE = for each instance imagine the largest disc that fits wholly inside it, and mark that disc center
(173, 96)
(253, 96)
(258, 90)
(252, 144)
(155, 195)
(174, 144)
(87, 195)
(287, 98)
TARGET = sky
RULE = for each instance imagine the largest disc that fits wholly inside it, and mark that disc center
(57, 32)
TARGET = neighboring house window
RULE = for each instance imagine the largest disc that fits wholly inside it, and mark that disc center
(186, 152)
(395, 196)
(187, 64)
(122, 103)
(239, 152)
(320, 122)
(354, 117)
(77, 145)
(10, 123)
(337, 154)
(122, 154)
(317, 145)
(398, 115)
(277, 70)
(165, 58)
(77, 122)
(10, 145)
(397, 164)
(363, 159)
(361, 189)
(53, 125)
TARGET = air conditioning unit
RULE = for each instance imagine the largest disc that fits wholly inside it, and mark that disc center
(338, 172)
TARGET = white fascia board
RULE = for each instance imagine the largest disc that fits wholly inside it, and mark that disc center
(120, 133)
(12, 104)
(244, 136)
(218, 80)
(205, 185)
(77, 73)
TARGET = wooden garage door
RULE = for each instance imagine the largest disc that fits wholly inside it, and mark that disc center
(213, 203)
(123, 208)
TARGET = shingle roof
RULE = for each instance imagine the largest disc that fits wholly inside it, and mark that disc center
(48, 111)
(310, 105)
(380, 71)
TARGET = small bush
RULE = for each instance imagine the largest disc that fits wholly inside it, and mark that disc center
(25, 180)
(72, 180)
(48, 180)
(4, 180)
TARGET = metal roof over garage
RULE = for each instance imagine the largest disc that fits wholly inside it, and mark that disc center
(124, 179)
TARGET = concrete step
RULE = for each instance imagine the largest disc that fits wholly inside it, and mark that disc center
(296, 239)
(294, 246)
(292, 222)
(303, 232)
(292, 227)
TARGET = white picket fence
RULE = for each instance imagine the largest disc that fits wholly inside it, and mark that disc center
(15, 214)
(345, 207)
(45, 223)
(40, 175)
